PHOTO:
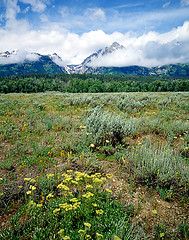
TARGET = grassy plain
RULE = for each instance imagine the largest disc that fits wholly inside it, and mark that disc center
(94, 166)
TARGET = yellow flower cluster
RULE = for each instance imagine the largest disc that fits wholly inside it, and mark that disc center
(67, 178)
(50, 195)
(88, 195)
(66, 238)
(87, 225)
(61, 231)
(109, 175)
(108, 190)
(98, 235)
(154, 212)
(63, 187)
(99, 212)
(89, 186)
(74, 200)
(32, 187)
(50, 175)
(80, 176)
(31, 203)
(74, 182)
(98, 181)
(56, 210)
(30, 180)
(69, 207)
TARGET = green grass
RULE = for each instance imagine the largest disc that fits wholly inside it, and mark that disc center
(141, 137)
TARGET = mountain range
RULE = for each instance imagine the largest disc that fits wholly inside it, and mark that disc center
(20, 63)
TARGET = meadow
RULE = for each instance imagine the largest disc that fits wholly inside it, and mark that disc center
(94, 165)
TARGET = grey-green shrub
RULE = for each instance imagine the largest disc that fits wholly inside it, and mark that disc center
(158, 165)
(108, 126)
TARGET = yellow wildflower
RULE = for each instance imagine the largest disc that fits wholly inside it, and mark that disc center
(87, 237)
(162, 235)
(88, 195)
(56, 210)
(63, 205)
(32, 180)
(81, 231)
(31, 202)
(74, 182)
(154, 212)
(1, 179)
(32, 187)
(108, 190)
(87, 225)
(39, 205)
(63, 187)
(50, 174)
(27, 179)
(66, 238)
(97, 180)
(50, 195)
(74, 200)
(76, 205)
(99, 235)
(103, 179)
(99, 212)
(94, 204)
(89, 186)
(109, 175)
(28, 192)
(92, 145)
(61, 231)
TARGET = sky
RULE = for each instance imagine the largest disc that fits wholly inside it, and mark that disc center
(153, 32)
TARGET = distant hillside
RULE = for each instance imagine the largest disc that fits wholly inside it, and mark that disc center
(43, 66)
(172, 70)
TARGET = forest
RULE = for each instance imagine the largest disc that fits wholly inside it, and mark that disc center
(78, 83)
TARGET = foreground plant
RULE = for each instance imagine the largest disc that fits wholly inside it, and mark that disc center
(80, 207)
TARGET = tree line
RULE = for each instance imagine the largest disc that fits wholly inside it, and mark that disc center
(78, 83)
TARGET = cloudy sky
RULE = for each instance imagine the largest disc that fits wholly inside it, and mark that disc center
(154, 32)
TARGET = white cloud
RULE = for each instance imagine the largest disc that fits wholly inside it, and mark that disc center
(149, 49)
(165, 5)
(64, 11)
(19, 57)
(184, 2)
(37, 5)
(95, 14)
(44, 18)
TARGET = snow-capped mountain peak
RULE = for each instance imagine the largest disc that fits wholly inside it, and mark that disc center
(107, 50)
(114, 47)
(81, 68)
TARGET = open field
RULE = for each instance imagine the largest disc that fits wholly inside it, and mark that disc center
(94, 165)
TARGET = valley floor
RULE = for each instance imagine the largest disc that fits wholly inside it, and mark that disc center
(116, 161)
